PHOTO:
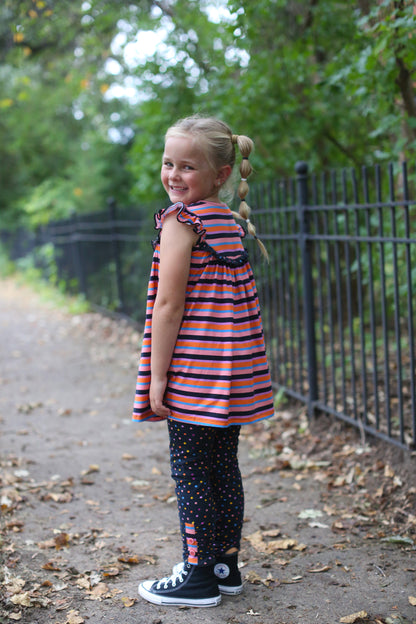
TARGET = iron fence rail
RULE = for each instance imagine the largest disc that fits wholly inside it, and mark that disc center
(337, 297)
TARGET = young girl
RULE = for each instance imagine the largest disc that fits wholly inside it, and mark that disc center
(203, 365)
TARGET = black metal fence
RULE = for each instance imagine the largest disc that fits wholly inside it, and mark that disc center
(338, 296)
(103, 255)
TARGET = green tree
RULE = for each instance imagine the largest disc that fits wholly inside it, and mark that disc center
(329, 82)
(54, 118)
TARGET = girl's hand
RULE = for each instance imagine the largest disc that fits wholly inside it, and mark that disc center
(156, 395)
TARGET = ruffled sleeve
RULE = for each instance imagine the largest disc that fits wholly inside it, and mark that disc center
(184, 215)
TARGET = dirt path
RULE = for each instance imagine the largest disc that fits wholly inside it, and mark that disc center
(88, 507)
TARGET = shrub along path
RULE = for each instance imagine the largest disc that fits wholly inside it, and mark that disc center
(88, 507)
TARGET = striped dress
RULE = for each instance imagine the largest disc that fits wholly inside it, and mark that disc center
(219, 374)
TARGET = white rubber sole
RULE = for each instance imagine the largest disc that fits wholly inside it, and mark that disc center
(168, 601)
(230, 591)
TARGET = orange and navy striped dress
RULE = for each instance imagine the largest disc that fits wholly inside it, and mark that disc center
(219, 374)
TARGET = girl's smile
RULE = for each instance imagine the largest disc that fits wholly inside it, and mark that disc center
(186, 174)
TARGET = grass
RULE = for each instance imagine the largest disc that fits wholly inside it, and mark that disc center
(55, 296)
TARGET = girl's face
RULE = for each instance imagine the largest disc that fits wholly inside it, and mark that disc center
(186, 174)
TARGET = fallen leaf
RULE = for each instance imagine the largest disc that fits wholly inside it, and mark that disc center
(65, 497)
(111, 571)
(354, 617)
(14, 584)
(22, 599)
(128, 602)
(323, 569)
(259, 543)
(83, 582)
(51, 565)
(74, 618)
(271, 533)
(398, 539)
(92, 468)
(98, 592)
(15, 616)
(61, 540)
(130, 559)
(388, 471)
(253, 577)
(412, 600)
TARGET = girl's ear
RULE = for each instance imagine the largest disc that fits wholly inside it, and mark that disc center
(223, 174)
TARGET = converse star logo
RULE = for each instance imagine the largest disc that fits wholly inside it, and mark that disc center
(221, 570)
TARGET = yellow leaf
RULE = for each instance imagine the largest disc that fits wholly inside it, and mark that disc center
(40, 4)
(412, 600)
(18, 37)
(78, 191)
(128, 602)
(354, 617)
(33, 13)
(104, 88)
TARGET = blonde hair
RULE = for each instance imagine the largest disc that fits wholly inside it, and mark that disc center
(218, 144)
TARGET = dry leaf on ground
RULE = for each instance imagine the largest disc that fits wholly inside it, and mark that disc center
(354, 617)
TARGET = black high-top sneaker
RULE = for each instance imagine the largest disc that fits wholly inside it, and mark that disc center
(227, 573)
(193, 586)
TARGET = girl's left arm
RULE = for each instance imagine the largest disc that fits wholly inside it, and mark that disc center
(176, 242)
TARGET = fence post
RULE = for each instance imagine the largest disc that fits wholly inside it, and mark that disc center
(301, 169)
(112, 210)
(77, 254)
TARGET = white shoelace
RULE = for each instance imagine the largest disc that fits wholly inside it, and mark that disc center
(171, 579)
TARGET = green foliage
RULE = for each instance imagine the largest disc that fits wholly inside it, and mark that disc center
(7, 267)
(327, 82)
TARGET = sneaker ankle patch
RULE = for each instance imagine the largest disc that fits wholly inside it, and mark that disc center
(221, 571)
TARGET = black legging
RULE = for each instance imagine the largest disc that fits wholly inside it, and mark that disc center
(209, 489)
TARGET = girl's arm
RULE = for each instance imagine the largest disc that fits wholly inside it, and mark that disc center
(176, 242)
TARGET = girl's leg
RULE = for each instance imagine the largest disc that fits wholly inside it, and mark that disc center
(209, 488)
(191, 449)
(228, 490)
(195, 583)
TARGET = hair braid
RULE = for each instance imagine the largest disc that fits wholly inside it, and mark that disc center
(245, 146)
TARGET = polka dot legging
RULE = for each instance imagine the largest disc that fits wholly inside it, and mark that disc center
(209, 489)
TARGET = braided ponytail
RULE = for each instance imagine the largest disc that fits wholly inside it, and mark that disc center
(245, 145)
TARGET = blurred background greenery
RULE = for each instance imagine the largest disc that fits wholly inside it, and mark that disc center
(88, 88)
